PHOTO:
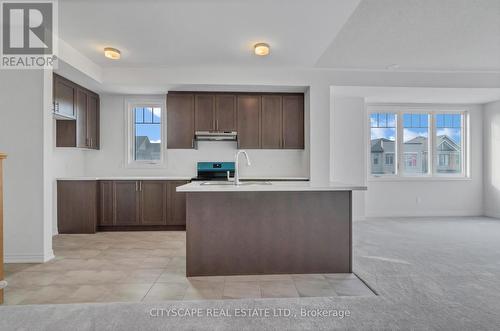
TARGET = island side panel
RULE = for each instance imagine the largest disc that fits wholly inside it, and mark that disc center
(245, 233)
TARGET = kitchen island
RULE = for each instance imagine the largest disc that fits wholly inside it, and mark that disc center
(268, 228)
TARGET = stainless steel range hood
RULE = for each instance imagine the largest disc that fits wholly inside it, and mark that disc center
(215, 135)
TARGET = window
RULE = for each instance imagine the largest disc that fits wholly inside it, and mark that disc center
(389, 159)
(145, 133)
(383, 142)
(444, 160)
(449, 143)
(416, 141)
(410, 160)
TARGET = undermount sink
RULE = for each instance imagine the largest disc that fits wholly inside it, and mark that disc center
(217, 183)
(232, 183)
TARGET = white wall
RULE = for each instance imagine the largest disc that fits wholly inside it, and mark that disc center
(27, 207)
(492, 159)
(434, 197)
(399, 197)
(111, 159)
(348, 144)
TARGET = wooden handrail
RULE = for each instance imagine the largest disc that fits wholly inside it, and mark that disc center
(2, 157)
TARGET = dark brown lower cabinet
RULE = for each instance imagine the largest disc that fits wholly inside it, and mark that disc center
(106, 202)
(153, 196)
(120, 205)
(126, 202)
(76, 206)
(176, 204)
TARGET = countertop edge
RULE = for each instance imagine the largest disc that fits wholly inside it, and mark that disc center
(275, 187)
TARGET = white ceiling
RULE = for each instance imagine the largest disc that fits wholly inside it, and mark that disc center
(417, 35)
(419, 94)
(203, 32)
(420, 35)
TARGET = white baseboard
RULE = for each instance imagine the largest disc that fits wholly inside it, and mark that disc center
(25, 258)
(440, 213)
(492, 214)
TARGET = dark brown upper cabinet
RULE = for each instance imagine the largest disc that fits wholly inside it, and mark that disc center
(271, 124)
(262, 120)
(93, 121)
(225, 112)
(248, 128)
(81, 119)
(64, 94)
(180, 120)
(83, 129)
(204, 112)
(215, 112)
(293, 121)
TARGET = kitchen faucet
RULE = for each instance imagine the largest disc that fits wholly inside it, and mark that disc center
(236, 166)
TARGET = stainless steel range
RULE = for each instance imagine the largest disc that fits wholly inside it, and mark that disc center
(217, 171)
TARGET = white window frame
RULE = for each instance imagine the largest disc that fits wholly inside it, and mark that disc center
(432, 110)
(130, 105)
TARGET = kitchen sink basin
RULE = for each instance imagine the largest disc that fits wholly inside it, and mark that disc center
(217, 183)
(232, 183)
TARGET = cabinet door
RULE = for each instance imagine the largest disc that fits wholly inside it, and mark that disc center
(272, 131)
(153, 202)
(126, 211)
(106, 203)
(64, 97)
(293, 121)
(176, 204)
(76, 206)
(180, 120)
(249, 121)
(82, 139)
(225, 112)
(93, 121)
(204, 108)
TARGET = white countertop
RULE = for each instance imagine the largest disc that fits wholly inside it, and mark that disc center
(180, 178)
(274, 186)
(126, 178)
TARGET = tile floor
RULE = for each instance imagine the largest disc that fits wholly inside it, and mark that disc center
(149, 266)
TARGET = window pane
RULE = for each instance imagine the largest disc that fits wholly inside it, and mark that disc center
(156, 115)
(449, 143)
(138, 115)
(148, 115)
(147, 136)
(383, 137)
(415, 144)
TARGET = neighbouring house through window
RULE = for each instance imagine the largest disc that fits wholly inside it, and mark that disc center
(383, 138)
(415, 141)
(146, 123)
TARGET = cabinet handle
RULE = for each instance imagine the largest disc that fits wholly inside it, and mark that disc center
(136, 189)
(140, 186)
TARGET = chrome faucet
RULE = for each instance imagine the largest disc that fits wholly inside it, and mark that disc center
(236, 166)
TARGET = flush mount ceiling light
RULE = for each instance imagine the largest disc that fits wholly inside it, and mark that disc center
(112, 53)
(261, 49)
